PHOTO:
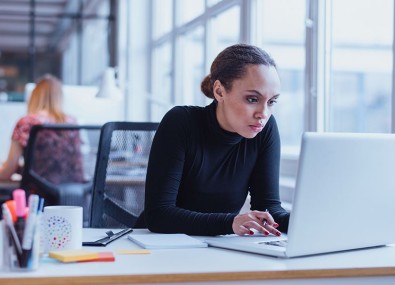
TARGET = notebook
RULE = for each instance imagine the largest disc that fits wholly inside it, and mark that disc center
(157, 241)
(344, 198)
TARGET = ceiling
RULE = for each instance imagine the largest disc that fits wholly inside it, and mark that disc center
(41, 24)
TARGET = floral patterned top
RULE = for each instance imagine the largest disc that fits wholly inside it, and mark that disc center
(24, 125)
(58, 157)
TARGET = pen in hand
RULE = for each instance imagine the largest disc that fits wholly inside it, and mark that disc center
(274, 225)
(264, 221)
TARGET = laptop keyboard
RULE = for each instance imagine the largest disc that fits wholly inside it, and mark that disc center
(280, 243)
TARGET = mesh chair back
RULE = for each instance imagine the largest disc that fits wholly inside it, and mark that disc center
(59, 164)
(119, 183)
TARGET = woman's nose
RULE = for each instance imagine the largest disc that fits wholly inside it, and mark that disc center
(263, 113)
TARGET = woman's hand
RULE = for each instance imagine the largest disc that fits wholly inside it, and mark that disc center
(263, 222)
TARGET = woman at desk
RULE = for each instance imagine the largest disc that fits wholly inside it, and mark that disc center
(205, 160)
(44, 107)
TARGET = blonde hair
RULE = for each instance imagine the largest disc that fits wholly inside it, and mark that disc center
(47, 96)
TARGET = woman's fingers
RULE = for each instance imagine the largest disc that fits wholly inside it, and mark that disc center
(242, 230)
(262, 222)
(271, 229)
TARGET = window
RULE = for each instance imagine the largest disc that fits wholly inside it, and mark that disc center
(162, 77)
(86, 53)
(212, 2)
(182, 54)
(224, 30)
(190, 71)
(334, 58)
(358, 53)
(187, 10)
(361, 66)
(280, 30)
(162, 17)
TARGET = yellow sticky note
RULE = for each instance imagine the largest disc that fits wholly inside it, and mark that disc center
(73, 255)
(133, 251)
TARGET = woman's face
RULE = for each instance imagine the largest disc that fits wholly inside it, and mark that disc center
(247, 107)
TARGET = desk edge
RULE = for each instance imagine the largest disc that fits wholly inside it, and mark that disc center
(204, 277)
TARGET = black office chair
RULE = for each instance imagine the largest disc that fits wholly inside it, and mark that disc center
(119, 181)
(59, 163)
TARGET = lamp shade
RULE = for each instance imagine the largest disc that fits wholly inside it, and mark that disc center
(108, 87)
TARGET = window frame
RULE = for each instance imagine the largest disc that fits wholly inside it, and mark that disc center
(317, 68)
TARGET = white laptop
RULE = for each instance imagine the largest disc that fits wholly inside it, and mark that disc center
(344, 198)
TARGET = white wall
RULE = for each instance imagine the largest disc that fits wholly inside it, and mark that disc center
(81, 103)
(10, 112)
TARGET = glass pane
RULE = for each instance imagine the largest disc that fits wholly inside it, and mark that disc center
(280, 30)
(188, 10)
(70, 65)
(95, 51)
(224, 31)
(361, 69)
(161, 78)
(190, 71)
(212, 2)
(162, 17)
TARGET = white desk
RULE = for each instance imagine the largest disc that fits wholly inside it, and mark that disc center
(212, 265)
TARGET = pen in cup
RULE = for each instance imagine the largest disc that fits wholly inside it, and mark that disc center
(12, 233)
(19, 197)
(11, 207)
(30, 228)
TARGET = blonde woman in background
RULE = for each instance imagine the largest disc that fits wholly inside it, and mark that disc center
(45, 107)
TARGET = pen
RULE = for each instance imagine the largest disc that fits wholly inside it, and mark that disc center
(264, 220)
(19, 197)
(109, 238)
(28, 234)
(40, 206)
(8, 221)
(11, 207)
(35, 251)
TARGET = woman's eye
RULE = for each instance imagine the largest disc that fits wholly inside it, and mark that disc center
(272, 102)
(252, 100)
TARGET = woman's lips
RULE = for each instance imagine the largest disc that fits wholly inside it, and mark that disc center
(256, 128)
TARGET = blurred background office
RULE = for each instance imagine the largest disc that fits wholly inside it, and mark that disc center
(335, 58)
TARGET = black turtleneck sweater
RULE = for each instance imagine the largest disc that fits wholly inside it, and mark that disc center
(199, 175)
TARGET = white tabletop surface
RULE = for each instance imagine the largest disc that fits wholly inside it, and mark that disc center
(200, 260)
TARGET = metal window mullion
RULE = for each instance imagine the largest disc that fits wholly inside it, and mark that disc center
(326, 17)
(318, 68)
(310, 69)
(150, 58)
(393, 75)
(173, 55)
(245, 21)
